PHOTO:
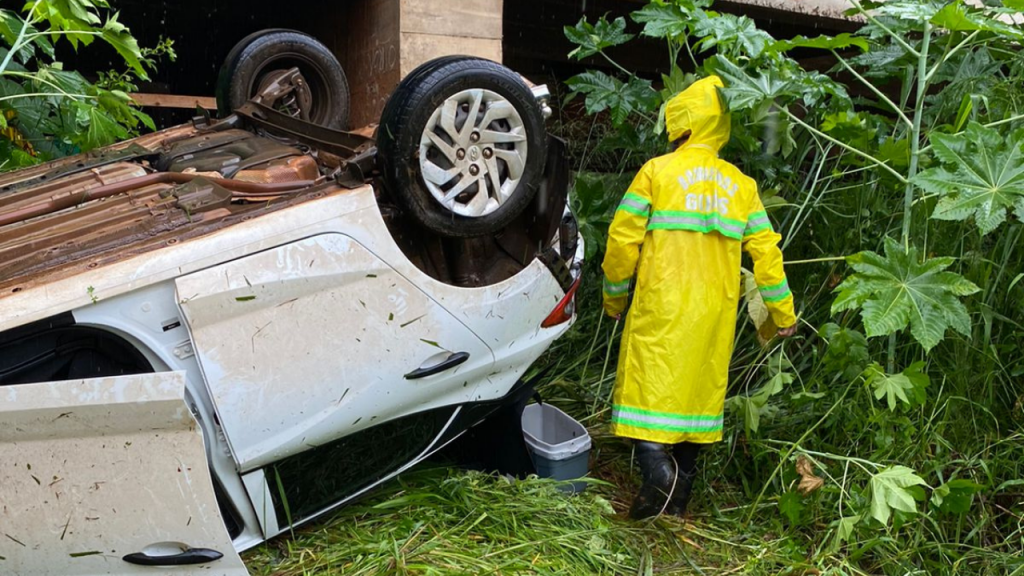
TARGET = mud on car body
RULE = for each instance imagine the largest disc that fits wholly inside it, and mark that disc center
(220, 330)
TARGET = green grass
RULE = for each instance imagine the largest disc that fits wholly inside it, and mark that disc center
(438, 521)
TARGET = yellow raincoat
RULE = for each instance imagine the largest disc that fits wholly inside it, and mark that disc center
(680, 228)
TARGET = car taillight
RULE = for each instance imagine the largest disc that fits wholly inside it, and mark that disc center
(565, 309)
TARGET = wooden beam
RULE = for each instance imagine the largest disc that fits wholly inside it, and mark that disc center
(464, 18)
(175, 101)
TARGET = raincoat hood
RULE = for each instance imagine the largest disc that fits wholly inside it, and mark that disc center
(699, 110)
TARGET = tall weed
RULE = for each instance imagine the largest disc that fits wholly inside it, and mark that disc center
(889, 437)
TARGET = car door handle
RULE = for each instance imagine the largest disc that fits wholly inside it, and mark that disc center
(453, 360)
(187, 557)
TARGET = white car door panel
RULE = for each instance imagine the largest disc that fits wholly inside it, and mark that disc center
(107, 476)
(305, 343)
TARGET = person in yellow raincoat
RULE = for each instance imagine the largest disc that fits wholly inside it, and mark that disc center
(679, 230)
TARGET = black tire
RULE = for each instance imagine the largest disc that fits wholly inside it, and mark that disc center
(278, 49)
(406, 115)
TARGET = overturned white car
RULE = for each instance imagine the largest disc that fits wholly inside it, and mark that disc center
(220, 330)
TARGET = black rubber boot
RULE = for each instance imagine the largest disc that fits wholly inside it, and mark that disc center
(659, 475)
(685, 455)
(681, 495)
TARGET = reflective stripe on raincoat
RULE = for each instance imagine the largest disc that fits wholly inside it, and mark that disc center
(680, 228)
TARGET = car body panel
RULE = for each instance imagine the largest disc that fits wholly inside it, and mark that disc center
(149, 318)
(312, 340)
(81, 460)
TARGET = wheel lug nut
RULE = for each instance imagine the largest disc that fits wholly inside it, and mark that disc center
(460, 154)
(474, 137)
(488, 153)
(474, 170)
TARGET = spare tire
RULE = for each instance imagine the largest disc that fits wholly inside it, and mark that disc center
(262, 53)
(462, 146)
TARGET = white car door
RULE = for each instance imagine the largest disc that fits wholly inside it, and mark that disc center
(305, 343)
(107, 476)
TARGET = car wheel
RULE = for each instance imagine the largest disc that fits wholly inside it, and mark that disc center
(263, 56)
(462, 146)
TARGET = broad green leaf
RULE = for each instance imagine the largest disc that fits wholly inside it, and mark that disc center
(756, 308)
(144, 118)
(728, 30)
(78, 9)
(847, 351)
(919, 382)
(879, 61)
(853, 128)
(895, 153)
(899, 289)
(591, 39)
(838, 42)
(844, 528)
(747, 407)
(775, 385)
(890, 387)
(816, 88)
(12, 157)
(102, 130)
(604, 92)
(76, 20)
(916, 11)
(791, 505)
(957, 16)
(669, 19)
(907, 386)
(956, 496)
(889, 491)
(594, 198)
(743, 90)
(117, 35)
(10, 27)
(754, 406)
(982, 176)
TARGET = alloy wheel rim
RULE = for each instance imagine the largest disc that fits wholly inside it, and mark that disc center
(473, 152)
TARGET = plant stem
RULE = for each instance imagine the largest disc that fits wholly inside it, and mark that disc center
(915, 134)
(862, 463)
(607, 356)
(616, 64)
(816, 260)
(36, 78)
(44, 94)
(896, 37)
(789, 453)
(593, 343)
(689, 52)
(915, 154)
(845, 146)
(17, 41)
(879, 93)
(1005, 121)
(62, 33)
(946, 56)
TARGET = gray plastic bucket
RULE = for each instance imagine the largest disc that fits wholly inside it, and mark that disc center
(559, 445)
